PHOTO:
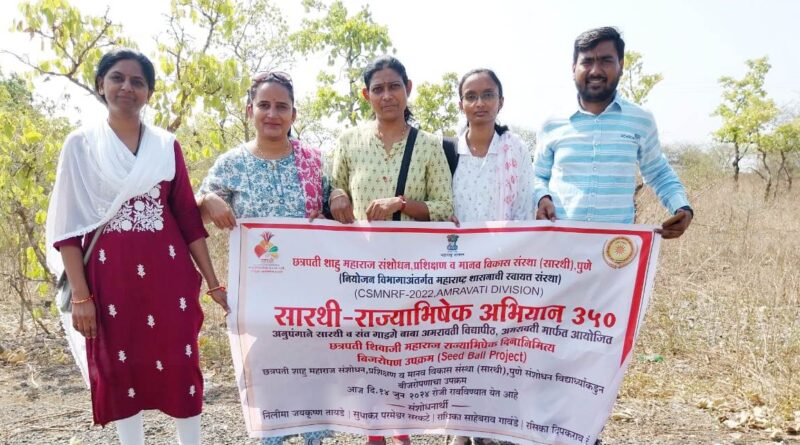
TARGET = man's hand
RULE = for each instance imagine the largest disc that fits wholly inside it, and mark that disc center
(546, 210)
(382, 209)
(676, 225)
(341, 208)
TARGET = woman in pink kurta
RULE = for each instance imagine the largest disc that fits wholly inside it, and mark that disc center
(136, 298)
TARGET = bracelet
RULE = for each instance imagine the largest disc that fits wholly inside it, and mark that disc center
(222, 288)
(89, 298)
(337, 195)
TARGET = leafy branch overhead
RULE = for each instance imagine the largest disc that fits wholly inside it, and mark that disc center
(348, 43)
(74, 42)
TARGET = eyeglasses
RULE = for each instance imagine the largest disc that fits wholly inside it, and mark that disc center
(486, 96)
(266, 76)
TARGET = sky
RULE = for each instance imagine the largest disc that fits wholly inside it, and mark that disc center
(528, 43)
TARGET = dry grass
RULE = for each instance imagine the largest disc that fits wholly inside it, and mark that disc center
(724, 313)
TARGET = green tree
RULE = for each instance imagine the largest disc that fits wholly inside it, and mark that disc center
(348, 42)
(745, 111)
(635, 84)
(785, 142)
(258, 44)
(435, 107)
(30, 140)
(75, 42)
(196, 70)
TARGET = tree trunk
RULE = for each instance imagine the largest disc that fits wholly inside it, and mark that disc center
(781, 168)
(786, 171)
(768, 176)
(736, 158)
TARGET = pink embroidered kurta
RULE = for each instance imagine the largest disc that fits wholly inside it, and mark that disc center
(146, 289)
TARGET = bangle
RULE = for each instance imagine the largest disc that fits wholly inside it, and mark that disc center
(337, 195)
(222, 288)
(84, 300)
(402, 203)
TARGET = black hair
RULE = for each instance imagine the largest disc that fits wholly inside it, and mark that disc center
(393, 64)
(500, 129)
(593, 37)
(111, 58)
(278, 77)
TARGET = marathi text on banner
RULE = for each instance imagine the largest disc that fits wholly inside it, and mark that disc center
(519, 332)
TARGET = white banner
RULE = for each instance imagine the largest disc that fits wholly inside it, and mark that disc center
(515, 331)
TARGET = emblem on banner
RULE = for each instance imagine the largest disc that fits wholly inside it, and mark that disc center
(619, 251)
(266, 250)
(452, 246)
(452, 239)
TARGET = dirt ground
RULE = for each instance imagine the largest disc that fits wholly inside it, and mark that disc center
(44, 401)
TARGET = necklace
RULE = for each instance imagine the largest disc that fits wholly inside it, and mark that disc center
(383, 138)
(264, 154)
(474, 151)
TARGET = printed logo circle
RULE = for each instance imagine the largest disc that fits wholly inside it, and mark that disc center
(619, 251)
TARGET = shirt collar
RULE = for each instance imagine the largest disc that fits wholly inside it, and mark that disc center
(614, 105)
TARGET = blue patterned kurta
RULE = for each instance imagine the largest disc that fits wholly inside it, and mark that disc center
(256, 187)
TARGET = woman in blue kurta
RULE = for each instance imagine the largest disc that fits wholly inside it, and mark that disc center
(272, 175)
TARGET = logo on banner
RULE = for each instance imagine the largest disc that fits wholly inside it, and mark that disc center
(267, 252)
(452, 246)
(619, 251)
(452, 239)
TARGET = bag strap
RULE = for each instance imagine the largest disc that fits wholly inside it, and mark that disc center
(91, 245)
(403, 175)
(63, 278)
(450, 152)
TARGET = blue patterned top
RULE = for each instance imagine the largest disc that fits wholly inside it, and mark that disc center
(256, 187)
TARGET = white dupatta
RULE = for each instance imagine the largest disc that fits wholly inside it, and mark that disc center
(96, 175)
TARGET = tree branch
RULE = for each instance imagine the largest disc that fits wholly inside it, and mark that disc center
(51, 73)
